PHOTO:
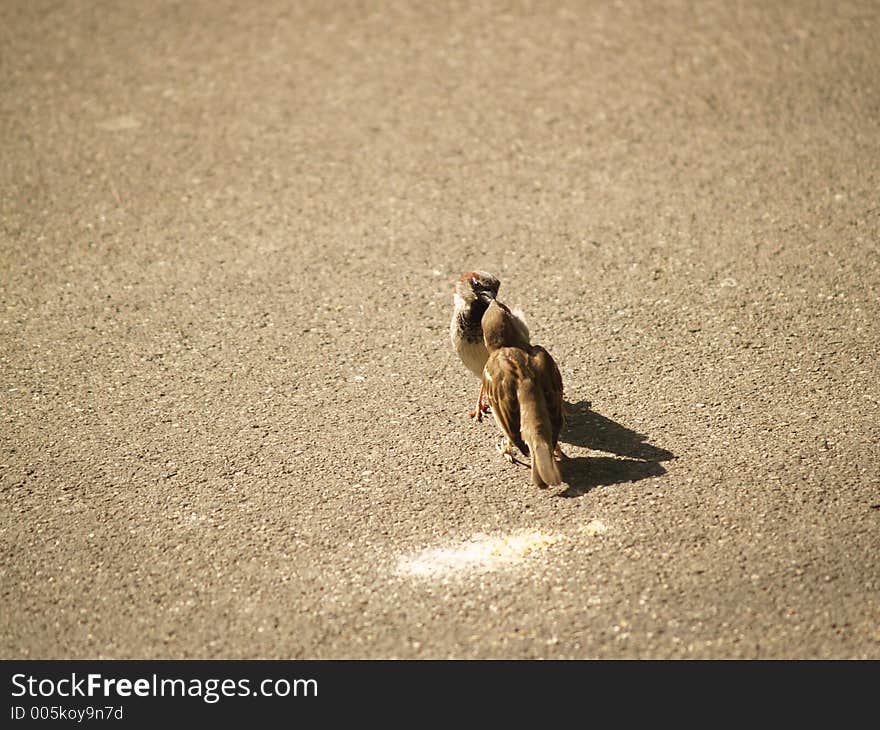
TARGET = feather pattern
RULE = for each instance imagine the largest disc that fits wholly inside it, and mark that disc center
(524, 388)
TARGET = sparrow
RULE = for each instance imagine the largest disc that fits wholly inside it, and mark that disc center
(524, 388)
(473, 292)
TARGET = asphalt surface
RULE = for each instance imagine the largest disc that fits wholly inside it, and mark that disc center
(232, 424)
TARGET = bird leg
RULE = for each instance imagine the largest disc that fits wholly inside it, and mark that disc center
(505, 448)
(481, 407)
(558, 453)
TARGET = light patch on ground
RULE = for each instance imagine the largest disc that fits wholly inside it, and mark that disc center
(118, 124)
(480, 554)
(593, 528)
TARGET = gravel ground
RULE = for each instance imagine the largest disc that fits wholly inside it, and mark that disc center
(231, 422)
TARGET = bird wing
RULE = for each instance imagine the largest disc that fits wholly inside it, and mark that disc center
(550, 381)
(504, 369)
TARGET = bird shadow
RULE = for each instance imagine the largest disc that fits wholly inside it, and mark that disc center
(588, 429)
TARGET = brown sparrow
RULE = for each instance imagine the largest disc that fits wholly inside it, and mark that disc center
(471, 297)
(524, 388)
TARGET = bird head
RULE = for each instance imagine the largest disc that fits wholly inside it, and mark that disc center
(477, 285)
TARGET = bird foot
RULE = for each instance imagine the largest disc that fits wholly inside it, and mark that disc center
(558, 454)
(505, 448)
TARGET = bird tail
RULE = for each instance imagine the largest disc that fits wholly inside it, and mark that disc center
(536, 432)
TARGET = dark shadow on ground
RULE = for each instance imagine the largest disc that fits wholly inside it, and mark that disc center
(590, 430)
(585, 472)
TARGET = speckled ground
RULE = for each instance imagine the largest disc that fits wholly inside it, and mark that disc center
(229, 410)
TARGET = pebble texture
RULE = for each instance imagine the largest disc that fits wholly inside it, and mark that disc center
(229, 409)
